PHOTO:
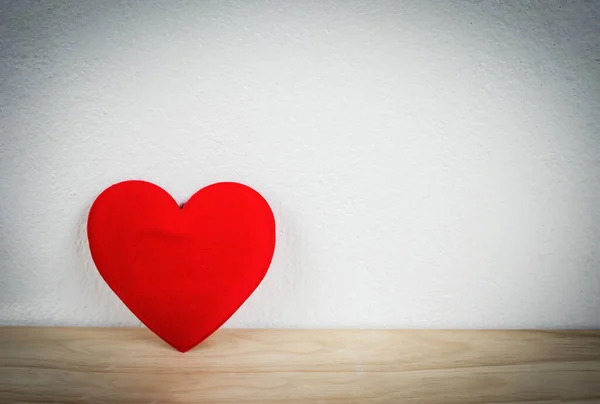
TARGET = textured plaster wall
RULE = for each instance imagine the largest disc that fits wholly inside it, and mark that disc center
(430, 164)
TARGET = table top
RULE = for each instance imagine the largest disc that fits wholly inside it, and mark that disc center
(132, 365)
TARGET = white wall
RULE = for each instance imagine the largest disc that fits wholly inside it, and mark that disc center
(430, 164)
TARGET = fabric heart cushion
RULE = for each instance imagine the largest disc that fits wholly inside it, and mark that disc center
(183, 272)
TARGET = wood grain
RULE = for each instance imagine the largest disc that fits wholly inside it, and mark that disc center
(124, 365)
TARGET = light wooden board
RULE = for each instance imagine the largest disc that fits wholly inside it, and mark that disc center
(124, 365)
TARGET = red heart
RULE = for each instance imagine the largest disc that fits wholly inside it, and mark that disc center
(182, 271)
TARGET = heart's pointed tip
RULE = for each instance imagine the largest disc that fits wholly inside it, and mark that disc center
(183, 348)
(180, 349)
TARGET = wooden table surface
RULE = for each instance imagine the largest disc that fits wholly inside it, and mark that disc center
(125, 365)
